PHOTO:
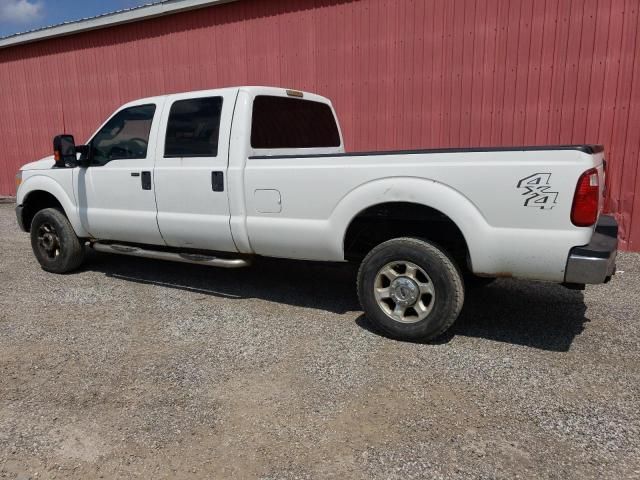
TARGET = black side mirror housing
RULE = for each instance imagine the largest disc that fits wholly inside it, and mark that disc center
(64, 151)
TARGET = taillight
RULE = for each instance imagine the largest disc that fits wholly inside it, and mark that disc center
(584, 211)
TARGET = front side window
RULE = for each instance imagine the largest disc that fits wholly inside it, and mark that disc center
(282, 122)
(193, 128)
(125, 136)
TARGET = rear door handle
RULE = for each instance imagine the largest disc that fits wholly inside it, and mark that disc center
(217, 181)
(146, 180)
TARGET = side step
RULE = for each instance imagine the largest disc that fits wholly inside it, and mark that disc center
(174, 257)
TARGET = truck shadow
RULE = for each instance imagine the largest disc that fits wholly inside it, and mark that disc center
(322, 286)
(533, 314)
(538, 315)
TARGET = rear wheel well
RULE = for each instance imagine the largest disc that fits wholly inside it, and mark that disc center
(385, 221)
(36, 201)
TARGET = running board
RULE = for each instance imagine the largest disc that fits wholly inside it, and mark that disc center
(174, 257)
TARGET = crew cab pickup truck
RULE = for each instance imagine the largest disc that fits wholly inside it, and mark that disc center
(219, 177)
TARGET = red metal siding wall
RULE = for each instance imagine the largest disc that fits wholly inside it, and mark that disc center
(402, 74)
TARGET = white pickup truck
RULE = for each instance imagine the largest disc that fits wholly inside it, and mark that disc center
(219, 177)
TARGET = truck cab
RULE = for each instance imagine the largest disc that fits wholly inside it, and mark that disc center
(158, 171)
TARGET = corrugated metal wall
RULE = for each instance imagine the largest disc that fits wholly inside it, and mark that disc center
(402, 74)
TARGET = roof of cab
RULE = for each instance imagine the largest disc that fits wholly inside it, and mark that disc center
(252, 89)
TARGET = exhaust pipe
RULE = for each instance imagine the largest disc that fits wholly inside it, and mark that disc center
(196, 259)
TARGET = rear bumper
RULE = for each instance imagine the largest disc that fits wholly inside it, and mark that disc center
(595, 262)
(19, 217)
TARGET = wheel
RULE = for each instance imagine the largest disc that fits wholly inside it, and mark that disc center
(54, 242)
(410, 289)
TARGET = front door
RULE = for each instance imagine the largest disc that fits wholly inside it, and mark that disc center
(191, 171)
(115, 194)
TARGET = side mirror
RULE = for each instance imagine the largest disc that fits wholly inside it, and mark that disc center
(64, 151)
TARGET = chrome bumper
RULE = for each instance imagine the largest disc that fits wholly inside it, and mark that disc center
(595, 262)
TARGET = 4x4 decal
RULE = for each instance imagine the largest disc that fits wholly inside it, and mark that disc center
(537, 191)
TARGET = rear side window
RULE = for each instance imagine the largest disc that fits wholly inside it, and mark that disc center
(193, 128)
(281, 122)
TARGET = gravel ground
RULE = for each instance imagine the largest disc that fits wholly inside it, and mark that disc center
(135, 368)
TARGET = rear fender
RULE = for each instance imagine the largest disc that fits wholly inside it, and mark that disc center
(413, 190)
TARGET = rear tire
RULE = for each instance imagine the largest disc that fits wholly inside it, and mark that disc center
(410, 289)
(54, 242)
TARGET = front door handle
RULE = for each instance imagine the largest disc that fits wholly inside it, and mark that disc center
(145, 179)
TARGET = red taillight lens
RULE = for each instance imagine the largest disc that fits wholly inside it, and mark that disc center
(584, 211)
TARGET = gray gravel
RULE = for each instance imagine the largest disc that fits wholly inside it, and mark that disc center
(134, 368)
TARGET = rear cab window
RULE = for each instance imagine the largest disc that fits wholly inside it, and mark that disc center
(290, 123)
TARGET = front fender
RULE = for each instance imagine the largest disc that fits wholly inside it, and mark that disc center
(47, 184)
(426, 192)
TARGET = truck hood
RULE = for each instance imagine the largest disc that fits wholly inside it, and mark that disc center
(42, 164)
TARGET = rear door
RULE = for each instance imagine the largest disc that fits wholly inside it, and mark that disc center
(191, 171)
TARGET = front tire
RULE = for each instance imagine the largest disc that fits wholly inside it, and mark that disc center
(410, 289)
(54, 242)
